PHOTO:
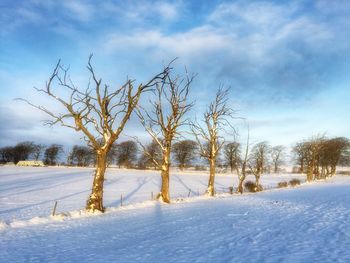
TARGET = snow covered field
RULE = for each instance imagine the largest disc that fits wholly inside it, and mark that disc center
(27, 192)
(309, 223)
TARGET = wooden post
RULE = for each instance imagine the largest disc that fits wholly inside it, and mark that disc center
(54, 209)
(121, 200)
(230, 189)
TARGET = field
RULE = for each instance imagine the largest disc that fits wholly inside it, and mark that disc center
(309, 223)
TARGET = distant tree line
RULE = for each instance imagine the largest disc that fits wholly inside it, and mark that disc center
(30, 150)
(317, 157)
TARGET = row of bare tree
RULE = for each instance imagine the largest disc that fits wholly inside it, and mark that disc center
(100, 113)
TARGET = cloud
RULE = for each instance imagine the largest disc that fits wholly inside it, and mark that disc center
(79, 10)
(140, 13)
(272, 49)
(279, 53)
(19, 122)
(263, 15)
(167, 11)
(191, 43)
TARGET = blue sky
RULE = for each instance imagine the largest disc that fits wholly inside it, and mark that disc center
(287, 62)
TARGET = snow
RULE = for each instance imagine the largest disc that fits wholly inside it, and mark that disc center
(309, 223)
(27, 192)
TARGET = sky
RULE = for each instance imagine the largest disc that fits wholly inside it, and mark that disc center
(287, 63)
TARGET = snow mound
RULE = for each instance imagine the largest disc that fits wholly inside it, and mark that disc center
(3, 225)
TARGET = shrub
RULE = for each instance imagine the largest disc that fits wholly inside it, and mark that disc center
(294, 182)
(344, 172)
(251, 187)
(199, 168)
(282, 184)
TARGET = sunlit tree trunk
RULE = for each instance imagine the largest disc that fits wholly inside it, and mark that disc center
(241, 181)
(309, 172)
(333, 170)
(211, 188)
(95, 201)
(164, 195)
(257, 182)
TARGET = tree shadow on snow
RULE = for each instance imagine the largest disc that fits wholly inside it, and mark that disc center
(140, 183)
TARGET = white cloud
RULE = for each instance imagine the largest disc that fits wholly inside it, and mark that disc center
(199, 41)
(142, 12)
(167, 11)
(29, 15)
(265, 15)
(79, 10)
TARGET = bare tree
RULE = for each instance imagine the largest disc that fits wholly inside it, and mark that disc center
(98, 113)
(243, 173)
(338, 147)
(112, 155)
(37, 150)
(81, 156)
(232, 156)
(331, 153)
(312, 149)
(52, 153)
(184, 152)
(126, 153)
(257, 162)
(277, 154)
(163, 122)
(151, 156)
(299, 153)
(7, 154)
(22, 151)
(344, 159)
(208, 134)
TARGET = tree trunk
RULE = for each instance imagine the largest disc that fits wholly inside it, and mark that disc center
(95, 201)
(309, 172)
(164, 192)
(182, 167)
(257, 183)
(333, 170)
(276, 168)
(211, 189)
(323, 172)
(242, 178)
(302, 165)
(240, 185)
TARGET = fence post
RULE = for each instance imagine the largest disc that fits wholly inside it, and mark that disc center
(230, 190)
(54, 209)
